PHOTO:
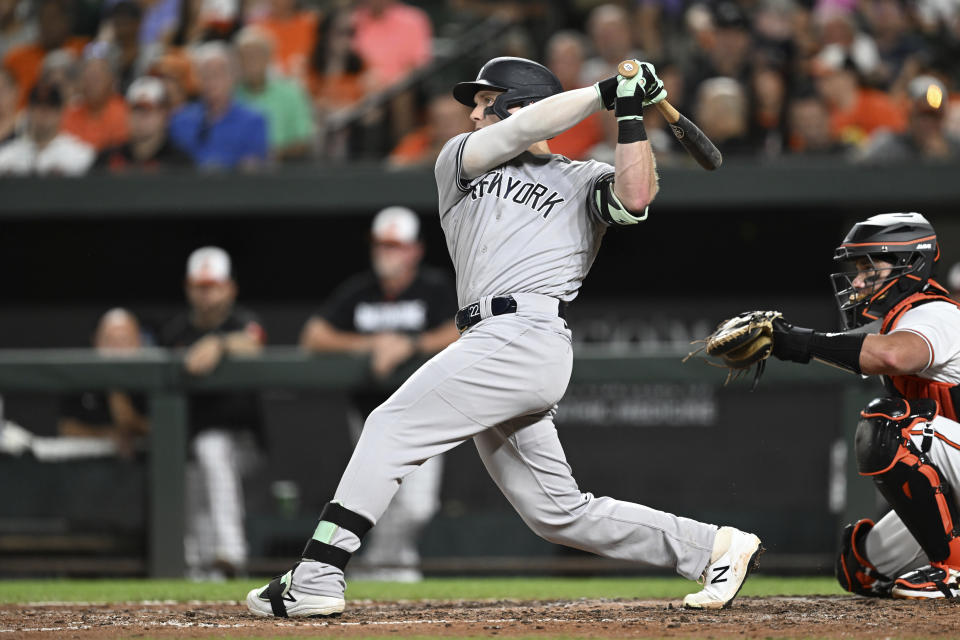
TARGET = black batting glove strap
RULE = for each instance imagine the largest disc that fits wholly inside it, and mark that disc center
(632, 106)
(630, 131)
(797, 344)
(608, 92)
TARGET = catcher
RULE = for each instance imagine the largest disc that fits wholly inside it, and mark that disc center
(902, 325)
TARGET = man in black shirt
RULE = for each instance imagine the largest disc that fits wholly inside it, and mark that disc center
(395, 312)
(112, 413)
(221, 423)
(149, 148)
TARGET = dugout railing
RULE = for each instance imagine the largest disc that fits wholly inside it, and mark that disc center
(160, 375)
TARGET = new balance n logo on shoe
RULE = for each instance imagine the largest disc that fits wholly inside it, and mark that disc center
(720, 572)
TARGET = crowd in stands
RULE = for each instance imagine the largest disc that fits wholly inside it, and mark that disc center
(123, 85)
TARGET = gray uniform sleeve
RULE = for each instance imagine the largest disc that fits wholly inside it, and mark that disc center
(451, 185)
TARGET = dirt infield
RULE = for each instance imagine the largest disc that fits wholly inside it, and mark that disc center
(829, 617)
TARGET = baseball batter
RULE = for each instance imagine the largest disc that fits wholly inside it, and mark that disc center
(905, 327)
(523, 227)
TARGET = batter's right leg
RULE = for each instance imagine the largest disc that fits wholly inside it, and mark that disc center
(526, 460)
(502, 367)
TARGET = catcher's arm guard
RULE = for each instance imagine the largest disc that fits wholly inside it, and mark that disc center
(741, 342)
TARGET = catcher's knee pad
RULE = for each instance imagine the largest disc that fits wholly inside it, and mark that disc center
(906, 476)
(854, 571)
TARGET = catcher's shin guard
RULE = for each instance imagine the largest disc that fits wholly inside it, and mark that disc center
(906, 476)
(854, 571)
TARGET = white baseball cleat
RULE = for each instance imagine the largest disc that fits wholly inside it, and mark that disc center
(933, 581)
(735, 554)
(280, 599)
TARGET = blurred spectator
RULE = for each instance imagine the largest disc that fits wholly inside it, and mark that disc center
(889, 25)
(392, 38)
(337, 76)
(565, 57)
(9, 110)
(446, 118)
(953, 281)
(280, 100)
(721, 112)
(395, 312)
(158, 21)
(125, 18)
(60, 69)
(116, 414)
(725, 44)
(16, 28)
(179, 79)
(41, 148)
(855, 111)
(223, 425)
(294, 32)
(217, 132)
(838, 31)
(54, 21)
(205, 20)
(767, 125)
(100, 117)
(609, 30)
(924, 138)
(149, 148)
(809, 122)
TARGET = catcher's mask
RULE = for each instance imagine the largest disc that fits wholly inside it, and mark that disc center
(904, 240)
(522, 82)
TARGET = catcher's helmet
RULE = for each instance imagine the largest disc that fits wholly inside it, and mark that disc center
(522, 82)
(905, 240)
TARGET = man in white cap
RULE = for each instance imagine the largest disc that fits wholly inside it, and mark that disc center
(149, 148)
(395, 312)
(223, 425)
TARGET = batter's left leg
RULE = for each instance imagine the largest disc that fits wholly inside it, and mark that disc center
(526, 460)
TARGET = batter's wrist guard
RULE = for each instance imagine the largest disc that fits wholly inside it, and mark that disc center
(608, 92)
(334, 515)
(630, 130)
(797, 344)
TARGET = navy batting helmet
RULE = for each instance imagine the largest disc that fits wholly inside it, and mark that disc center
(904, 240)
(522, 82)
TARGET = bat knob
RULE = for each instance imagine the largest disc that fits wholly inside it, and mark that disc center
(628, 68)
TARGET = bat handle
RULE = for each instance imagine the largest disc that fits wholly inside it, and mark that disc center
(630, 68)
(670, 114)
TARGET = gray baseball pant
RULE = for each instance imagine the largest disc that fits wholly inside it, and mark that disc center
(499, 384)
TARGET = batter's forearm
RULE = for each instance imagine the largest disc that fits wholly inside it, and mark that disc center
(497, 143)
(635, 184)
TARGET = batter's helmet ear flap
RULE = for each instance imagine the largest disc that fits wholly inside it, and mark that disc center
(520, 81)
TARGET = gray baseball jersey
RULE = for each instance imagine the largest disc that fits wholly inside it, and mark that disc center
(522, 227)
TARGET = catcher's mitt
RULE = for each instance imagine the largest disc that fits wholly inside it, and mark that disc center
(741, 342)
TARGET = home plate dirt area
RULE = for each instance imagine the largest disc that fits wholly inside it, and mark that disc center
(793, 617)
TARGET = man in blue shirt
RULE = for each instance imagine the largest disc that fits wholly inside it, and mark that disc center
(217, 132)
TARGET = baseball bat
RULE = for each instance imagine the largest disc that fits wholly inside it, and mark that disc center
(693, 140)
